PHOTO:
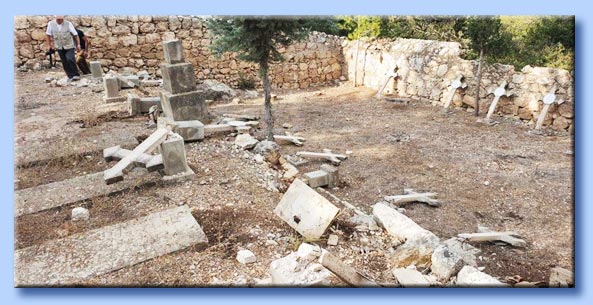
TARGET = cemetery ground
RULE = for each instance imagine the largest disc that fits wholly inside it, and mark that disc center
(502, 177)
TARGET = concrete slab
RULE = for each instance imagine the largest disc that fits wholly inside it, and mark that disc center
(190, 130)
(70, 260)
(305, 210)
(56, 194)
(178, 78)
(316, 178)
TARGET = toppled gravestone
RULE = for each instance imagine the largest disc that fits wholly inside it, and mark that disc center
(300, 268)
(305, 210)
(418, 244)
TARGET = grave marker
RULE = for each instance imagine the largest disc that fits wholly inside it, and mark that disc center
(498, 92)
(455, 84)
(548, 100)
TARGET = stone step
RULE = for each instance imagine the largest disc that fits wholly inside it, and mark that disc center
(71, 260)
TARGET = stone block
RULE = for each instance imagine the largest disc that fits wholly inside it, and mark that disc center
(245, 141)
(96, 70)
(246, 257)
(305, 210)
(178, 78)
(185, 106)
(173, 51)
(114, 99)
(140, 105)
(410, 278)
(189, 130)
(472, 277)
(332, 174)
(79, 214)
(111, 87)
(130, 78)
(317, 178)
(445, 263)
(560, 277)
(173, 153)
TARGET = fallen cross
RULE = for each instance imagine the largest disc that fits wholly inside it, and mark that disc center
(305, 210)
(298, 141)
(389, 74)
(115, 173)
(327, 154)
(150, 162)
(344, 272)
(549, 99)
(456, 84)
(498, 92)
(411, 196)
(507, 237)
(73, 259)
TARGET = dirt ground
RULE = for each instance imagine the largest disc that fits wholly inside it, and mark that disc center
(503, 177)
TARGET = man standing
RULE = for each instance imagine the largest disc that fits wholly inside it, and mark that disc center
(65, 39)
(84, 52)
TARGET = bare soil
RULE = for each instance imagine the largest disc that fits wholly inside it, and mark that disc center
(503, 177)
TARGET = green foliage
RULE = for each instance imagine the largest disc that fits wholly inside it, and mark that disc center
(361, 26)
(486, 34)
(255, 39)
(516, 40)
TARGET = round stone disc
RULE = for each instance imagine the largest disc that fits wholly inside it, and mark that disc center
(549, 98)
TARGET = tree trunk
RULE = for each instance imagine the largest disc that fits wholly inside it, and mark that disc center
(268, 118)
(477, 104)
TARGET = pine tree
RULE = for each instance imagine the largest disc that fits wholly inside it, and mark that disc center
(487, 38)
(257, 40)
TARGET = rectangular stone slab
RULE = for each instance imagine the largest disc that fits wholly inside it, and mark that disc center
(305, 210)
(60, 193)
(173, 51)
(185, 106)
(178, 78)
(70, 260)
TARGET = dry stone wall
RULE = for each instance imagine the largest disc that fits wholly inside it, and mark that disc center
(134, 43)
(426, 68)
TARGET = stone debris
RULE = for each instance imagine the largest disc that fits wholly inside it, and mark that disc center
(346, 273)
(246, 257)
(215, 90)
(410, 278)
(80, 214)
(445, 263)
(326, 176)
(471, 277)
(463, 250)
(305, 210)
(332, 240)
(560, 277)
(245, 141)
(418, 243)
(300, 268)
(364, 223)
(287, 125)
(270, 150)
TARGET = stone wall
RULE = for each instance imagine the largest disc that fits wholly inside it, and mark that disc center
(426, 68)
(134, 42)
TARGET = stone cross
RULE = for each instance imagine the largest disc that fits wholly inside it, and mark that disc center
(455, 84)
(498, 92)
(390, 74)
(549, 99)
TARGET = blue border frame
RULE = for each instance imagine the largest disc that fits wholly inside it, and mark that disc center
(580, 295)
